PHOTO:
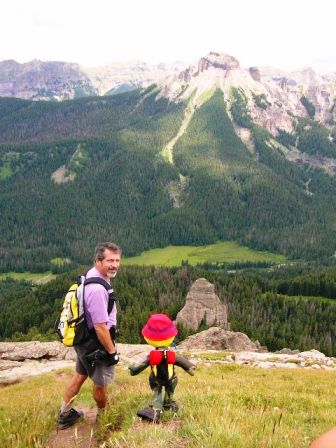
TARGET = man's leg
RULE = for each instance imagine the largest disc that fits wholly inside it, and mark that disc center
(100, 395)
(73, 387)
(68, 415)
(102, 376)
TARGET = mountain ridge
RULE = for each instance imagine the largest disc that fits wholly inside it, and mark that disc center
(192, 163)
(57, 80)
(79, 80)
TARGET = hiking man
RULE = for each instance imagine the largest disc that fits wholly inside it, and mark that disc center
(101, 321)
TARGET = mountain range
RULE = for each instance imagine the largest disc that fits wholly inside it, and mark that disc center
(55, 80)
(211, 152)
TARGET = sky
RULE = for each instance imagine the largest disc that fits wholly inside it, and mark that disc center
(286, 34)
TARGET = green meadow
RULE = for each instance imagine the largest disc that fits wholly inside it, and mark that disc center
(221, 406)
(220, 252)
(35, 278)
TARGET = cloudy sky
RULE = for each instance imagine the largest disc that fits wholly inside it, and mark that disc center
(286, 34)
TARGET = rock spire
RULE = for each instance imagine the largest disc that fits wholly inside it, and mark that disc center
(202, 304)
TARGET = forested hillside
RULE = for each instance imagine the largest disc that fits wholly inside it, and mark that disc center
(82, 171)
(288, 307)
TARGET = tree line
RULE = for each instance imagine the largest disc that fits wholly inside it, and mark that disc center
(267, 305)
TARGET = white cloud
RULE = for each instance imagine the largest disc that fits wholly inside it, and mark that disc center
(285, 33)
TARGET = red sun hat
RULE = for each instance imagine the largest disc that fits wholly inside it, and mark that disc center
(159, 327)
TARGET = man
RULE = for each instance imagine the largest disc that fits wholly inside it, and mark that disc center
(101, 324)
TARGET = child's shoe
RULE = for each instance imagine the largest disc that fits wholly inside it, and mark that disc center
(150, 414)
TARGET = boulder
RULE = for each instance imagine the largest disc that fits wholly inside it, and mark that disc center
(216, 338)
(20, 351)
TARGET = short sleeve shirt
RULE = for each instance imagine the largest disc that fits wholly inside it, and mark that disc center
(96, 302)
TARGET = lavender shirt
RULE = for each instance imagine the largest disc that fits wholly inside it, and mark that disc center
(96, 301)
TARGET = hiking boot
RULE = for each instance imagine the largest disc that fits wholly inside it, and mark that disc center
(150, 414)
(69, 418)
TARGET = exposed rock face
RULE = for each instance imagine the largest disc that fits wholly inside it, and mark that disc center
(44, 80)
(255, 73)
(273, 96)
(216, 338)
(213, 60)
(202, 304)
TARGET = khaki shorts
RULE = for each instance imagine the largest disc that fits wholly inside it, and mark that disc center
(102, 375)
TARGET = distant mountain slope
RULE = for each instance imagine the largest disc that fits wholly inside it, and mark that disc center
(201, 157)
(55, 80)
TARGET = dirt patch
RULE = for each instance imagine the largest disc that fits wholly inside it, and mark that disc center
(81, 435)
(170, 427)
(60, 176)
(9, 383)
(64, 375)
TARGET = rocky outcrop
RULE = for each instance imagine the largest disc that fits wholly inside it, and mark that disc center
(12, 351)
(202, 304)
(255, 73)
(23, 359)
(312, 359)
(19, 360)
(221, 61)
(216, 338)
(197, 349)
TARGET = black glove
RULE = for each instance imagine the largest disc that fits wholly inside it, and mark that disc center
(111, 359)
(101, 355)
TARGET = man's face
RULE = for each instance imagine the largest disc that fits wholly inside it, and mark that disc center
(108, 267)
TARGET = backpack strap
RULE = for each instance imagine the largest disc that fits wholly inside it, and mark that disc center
(112, 297)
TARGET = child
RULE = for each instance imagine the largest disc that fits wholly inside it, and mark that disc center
(160, 332)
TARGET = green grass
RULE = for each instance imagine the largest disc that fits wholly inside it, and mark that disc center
(58, 261)
(5, 171)
(221, 406)
(220, 252)
(36, 278)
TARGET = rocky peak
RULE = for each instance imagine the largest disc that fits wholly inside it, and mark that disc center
(218, 60)
(215, 60)
(202, 304)
(255, 73)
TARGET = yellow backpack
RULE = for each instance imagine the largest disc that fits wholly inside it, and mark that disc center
(71, 326)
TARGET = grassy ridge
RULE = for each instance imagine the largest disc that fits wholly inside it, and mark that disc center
(220, 252)
(233, 406)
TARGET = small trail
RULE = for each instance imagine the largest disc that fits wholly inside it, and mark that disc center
(81, 435)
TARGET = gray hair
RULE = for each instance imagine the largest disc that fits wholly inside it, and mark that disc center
(99, 253)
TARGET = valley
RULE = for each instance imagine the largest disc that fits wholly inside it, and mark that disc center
(222, 253)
